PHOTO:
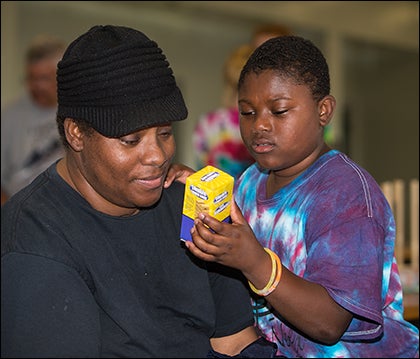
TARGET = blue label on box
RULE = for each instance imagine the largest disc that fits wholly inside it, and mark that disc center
(186, 225)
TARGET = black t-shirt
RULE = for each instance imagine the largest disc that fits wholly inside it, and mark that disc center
(80, 283)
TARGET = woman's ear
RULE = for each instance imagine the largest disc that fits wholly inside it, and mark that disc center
(326, 109)
(73, 134)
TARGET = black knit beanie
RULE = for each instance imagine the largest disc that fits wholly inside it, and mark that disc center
(119, 81)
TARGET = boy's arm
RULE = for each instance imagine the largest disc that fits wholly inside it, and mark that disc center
(244, 344)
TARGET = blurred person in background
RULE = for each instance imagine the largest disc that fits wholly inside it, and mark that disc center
(29, 137)
(265, 32)
(216, 137)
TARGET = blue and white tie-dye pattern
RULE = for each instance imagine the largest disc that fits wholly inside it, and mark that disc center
(333, 226)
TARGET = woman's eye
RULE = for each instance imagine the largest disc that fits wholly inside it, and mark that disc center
(130, 142)
(165, 133)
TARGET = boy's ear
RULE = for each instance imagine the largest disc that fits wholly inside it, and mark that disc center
(73, 134)
(326, 109)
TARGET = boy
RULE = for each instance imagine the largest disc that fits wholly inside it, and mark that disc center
(312, 231)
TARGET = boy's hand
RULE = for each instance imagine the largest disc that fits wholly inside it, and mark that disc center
(177, 172)
(232, 244)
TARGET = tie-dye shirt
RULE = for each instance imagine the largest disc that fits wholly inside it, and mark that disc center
(217, 142)
(333, 226)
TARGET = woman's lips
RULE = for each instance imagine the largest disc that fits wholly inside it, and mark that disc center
(152, 183)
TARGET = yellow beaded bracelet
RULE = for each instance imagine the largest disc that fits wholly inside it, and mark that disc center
(276, 271)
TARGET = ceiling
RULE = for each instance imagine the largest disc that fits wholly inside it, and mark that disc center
(389, 22)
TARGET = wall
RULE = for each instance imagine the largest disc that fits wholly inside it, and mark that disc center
(383, 109)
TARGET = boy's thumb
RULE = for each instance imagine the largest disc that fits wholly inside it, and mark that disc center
(235, 213)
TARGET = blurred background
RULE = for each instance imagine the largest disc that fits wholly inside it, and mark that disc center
(372, 48)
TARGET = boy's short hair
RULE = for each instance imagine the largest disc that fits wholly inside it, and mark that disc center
(292, 57)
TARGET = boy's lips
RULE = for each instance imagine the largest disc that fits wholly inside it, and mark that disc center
(262, 146)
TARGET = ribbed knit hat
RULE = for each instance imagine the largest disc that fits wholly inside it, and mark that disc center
(119, 81)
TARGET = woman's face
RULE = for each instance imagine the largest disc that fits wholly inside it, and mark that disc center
(280, 122)
(116, 174)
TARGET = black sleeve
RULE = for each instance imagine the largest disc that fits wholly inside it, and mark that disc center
(47, 310)
(232, 300)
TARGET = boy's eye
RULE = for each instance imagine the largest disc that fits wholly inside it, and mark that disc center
(247, 113)
(279, 112)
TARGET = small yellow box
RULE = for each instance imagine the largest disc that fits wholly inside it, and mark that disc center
(207, 190)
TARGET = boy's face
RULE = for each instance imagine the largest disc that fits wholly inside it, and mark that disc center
(280, 122)
(126, 172)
